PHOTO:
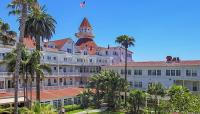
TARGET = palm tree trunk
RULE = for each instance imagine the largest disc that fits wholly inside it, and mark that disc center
(26, 86)
(16, 74)
(125, 98)
(31, 90)
(37, 74)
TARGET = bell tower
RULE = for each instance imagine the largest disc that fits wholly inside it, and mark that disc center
(85, 37)
(85, 30)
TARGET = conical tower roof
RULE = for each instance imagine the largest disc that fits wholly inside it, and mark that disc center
(85, 23)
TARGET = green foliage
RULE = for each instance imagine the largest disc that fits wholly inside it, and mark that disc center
(40, 24)
(180, 98)
(6, 35)
(38, 108)
(72, 107)
(136, 100)
(125, 40)
(155, 90)
(86, 98)
(109, 86)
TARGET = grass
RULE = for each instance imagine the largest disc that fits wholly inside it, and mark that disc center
(108, 112)
(75, 111)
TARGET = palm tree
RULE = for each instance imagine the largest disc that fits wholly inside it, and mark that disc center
(28, 66)
(126, 41)
(136, 99)
(19, 7)
(34, 68)
(40, 26)
(6, 35)
(155, 90)
(108, 85)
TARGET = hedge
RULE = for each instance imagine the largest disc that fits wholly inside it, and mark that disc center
(72, 107)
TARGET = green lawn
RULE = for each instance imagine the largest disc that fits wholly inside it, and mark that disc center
(108, 112)
(75, 111)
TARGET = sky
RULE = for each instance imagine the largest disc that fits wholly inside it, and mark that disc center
(160, 27)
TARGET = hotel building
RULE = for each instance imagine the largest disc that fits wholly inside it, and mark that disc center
(72, 64)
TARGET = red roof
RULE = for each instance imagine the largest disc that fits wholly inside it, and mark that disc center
(161, 64)
(85, 23)
(87, 43)
(49, 94)
(29, 42)
(60, 43)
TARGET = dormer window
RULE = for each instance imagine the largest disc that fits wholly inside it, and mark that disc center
(85, 53)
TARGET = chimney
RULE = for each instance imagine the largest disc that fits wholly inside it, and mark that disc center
(168, 58)
(108, 46)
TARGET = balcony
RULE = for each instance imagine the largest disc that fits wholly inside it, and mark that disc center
(6, 74)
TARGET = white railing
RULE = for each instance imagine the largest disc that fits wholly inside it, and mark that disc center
(6, 74)
(75, 63)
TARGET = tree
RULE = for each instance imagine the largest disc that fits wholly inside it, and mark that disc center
(40, 26)
(180, 98)
(110, 85)
(6, 35)
(85, 96)
(155, 90)
(19, 7)
(126, 41)
(136, 100)
(28, 66)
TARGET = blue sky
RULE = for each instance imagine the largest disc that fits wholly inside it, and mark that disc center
(160, 27)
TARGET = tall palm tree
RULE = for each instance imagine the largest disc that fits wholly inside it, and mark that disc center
(40, 26)
(125, 41)
(34, 68)
(19, 7)
(6, 35)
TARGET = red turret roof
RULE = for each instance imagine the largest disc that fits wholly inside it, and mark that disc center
(85, 23)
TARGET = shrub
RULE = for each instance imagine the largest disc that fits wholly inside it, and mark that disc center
(72, 107)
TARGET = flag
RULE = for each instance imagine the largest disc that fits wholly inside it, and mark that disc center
(82, 4)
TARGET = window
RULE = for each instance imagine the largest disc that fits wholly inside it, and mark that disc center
(122, 71)
(172, 72)
(138, 84)
(115, 53)
(158, 72)
(55, 81)
(65, 59)
(64, 69)
(90, 60)
(54, 68)
(188, 72)
(129, 72)
(49, 82)
(137, 72)
(178, 72)
(106, 52)
(69, 50)
(48, 57)
(85, 53)
(167, 72)
(60, 80)
(54, 58)
(194, 73)
(152, 72)
(77, 100)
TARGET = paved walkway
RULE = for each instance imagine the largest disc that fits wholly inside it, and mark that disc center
(92, 111)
